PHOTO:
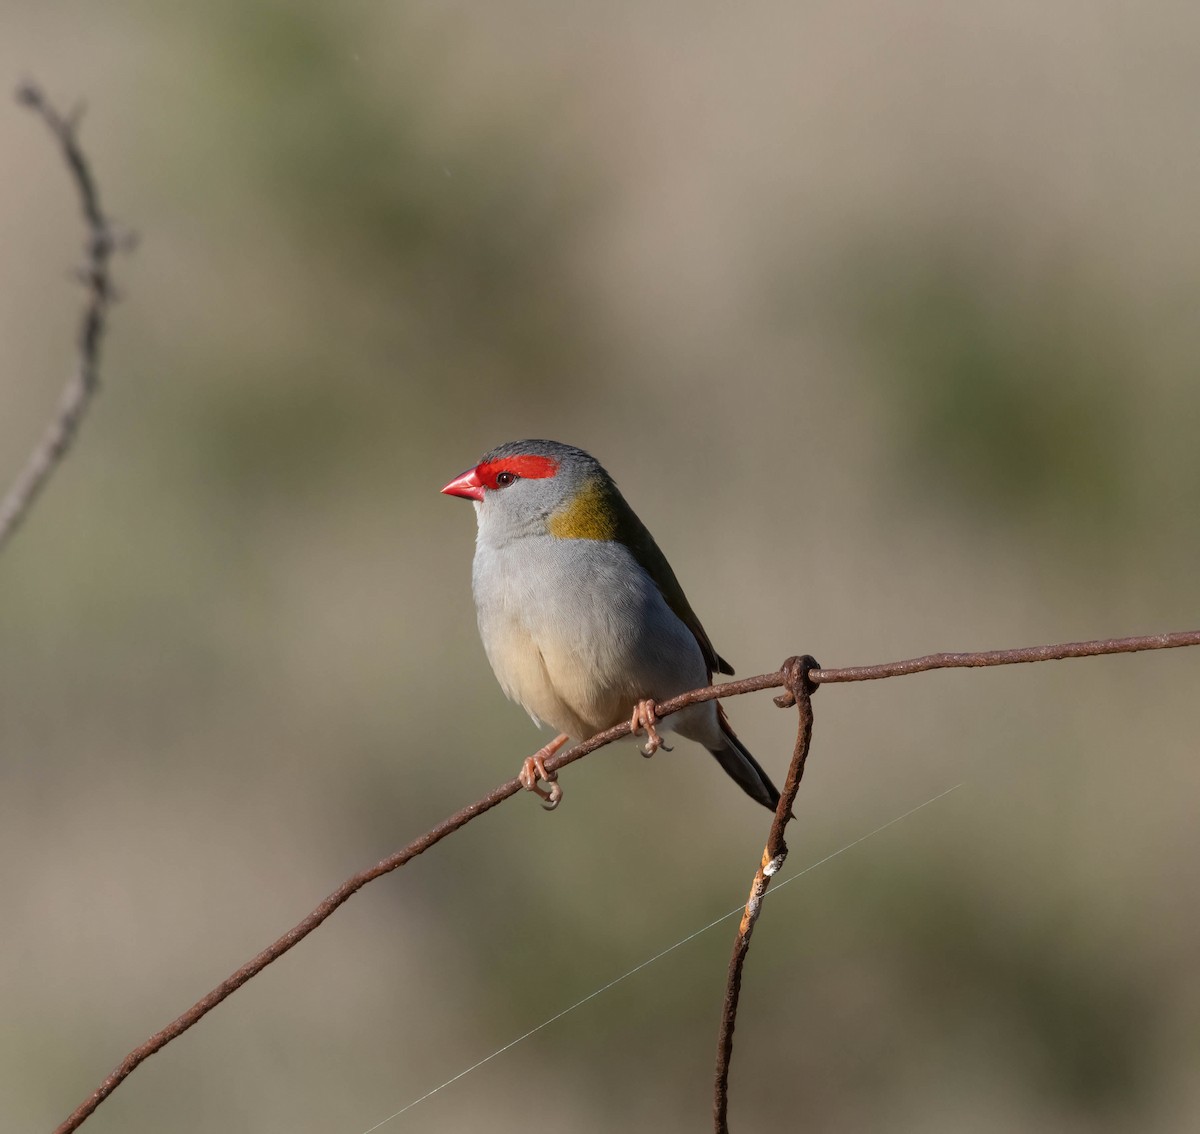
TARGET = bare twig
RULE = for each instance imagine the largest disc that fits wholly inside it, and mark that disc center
(498, 795)
(799, 690)
(83, 383)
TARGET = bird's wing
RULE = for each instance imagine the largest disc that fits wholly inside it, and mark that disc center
(633, 533)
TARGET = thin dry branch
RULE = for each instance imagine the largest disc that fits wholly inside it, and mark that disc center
(665, 709)
(799, 690)
(83, 383)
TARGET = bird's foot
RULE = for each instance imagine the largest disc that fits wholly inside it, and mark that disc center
(644, 718)
(534, 773)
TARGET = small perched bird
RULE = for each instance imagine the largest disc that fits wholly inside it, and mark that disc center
(581, 615)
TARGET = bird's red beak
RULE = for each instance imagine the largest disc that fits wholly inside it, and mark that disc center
(467, 485)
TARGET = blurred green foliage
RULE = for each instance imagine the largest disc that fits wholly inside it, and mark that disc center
(1010, 393)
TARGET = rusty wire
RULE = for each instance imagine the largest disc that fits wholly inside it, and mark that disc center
(779, 679)
(799, 689)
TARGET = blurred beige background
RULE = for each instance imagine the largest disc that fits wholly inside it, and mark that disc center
(885, 319)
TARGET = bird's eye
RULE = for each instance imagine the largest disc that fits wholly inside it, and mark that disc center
(504, 479)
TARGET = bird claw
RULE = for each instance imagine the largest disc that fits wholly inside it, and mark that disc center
(644, 718)
(534, 773)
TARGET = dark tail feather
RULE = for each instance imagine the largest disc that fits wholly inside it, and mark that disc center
(743, 768)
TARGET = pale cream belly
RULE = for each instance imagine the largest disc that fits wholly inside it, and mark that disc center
(577, 700)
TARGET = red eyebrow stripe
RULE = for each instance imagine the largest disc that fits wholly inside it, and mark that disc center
(529, 467)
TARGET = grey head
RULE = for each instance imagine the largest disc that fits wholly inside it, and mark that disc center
(518, 486)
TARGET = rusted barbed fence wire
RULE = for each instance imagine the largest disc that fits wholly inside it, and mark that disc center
(779, 679)
(84, 382)
(801, 677)
(798, 691)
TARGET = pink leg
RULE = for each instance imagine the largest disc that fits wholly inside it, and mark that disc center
(534, 769)
(644, 718)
